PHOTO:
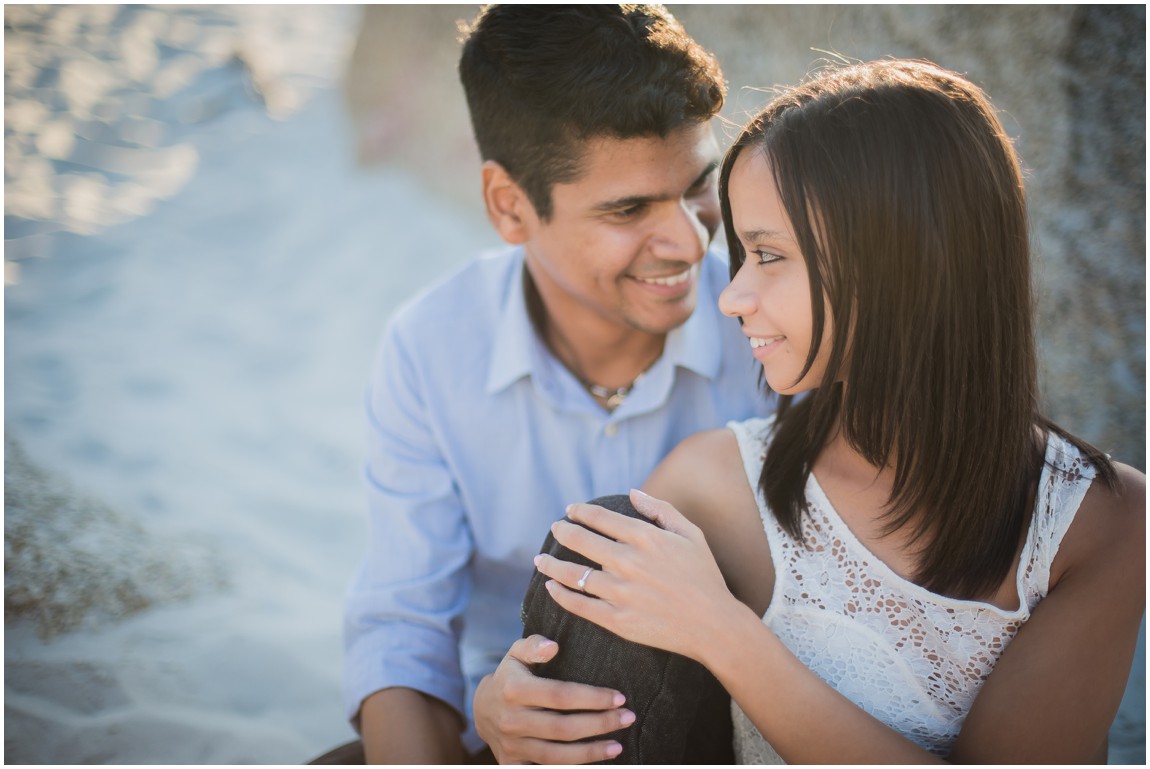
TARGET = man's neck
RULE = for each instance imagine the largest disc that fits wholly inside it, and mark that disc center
(594, 350)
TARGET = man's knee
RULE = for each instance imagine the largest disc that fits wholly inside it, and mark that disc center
(683, 713)
(349, 754)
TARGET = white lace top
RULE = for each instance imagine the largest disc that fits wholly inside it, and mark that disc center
(911, 658)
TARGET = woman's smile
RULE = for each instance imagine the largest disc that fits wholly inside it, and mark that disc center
(761, 346)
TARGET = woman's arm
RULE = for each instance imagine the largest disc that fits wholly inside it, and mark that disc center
(703, 478)
(1051, 697)
(1054, 693)
(699, 587)
(662, 587)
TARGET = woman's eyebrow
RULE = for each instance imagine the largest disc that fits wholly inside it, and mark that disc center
(760, 234)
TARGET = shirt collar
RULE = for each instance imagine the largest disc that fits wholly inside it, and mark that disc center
(694, 345)
(512, 353)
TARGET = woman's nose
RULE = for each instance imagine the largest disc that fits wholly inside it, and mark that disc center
(736, 300)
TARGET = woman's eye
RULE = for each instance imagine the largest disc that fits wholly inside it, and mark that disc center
(766, 257)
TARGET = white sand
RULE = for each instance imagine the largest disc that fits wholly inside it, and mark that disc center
(197, 369)
(200, 371)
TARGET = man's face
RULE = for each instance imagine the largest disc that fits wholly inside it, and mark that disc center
(625, 239)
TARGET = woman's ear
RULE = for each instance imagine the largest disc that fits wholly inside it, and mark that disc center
(508, 208)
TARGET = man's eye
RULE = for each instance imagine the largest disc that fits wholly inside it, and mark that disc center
(701, 188)
(627, 213)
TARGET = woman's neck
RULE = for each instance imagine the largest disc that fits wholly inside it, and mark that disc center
(860, 493)
(846, 465)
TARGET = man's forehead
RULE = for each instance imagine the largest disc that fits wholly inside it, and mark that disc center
(700, 137)
(645, 165)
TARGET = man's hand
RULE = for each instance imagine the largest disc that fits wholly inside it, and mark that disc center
(520, 716)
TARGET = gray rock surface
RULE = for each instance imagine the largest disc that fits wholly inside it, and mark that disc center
(1069, 83)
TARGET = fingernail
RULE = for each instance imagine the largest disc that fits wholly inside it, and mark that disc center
(626, 718)
(546, 644)
(614, 749)
(536, 560)
(550, 585)
(641, 493)
(619, 699)
(567, 510)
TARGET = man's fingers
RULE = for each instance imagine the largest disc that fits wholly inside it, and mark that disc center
(544, 752)
(527, 719)
(554, 726)
(522, 687)
(566, 695)
(534, 692)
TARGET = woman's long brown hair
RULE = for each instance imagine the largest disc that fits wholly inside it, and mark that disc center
(906, 198)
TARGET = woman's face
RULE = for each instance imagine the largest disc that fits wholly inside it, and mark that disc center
(771, 291)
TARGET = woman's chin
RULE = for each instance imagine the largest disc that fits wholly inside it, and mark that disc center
(786, 386)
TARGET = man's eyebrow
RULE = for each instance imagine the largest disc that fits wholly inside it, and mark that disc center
(639, 200)
(627, 202)
(710, 169)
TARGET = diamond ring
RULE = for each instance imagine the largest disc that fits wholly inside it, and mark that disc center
(582, 583)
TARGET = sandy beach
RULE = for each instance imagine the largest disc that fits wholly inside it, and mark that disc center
(185, 355)
(190, 381)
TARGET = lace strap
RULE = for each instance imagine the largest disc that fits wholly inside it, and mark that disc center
(752, 436)
(1066, 477)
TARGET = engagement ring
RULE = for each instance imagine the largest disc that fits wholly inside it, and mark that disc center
(582, 583)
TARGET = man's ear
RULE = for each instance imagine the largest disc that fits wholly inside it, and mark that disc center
(508, 208)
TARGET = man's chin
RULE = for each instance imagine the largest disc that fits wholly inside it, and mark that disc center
(665, 321)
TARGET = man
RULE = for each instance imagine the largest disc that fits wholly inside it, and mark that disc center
(561, 369)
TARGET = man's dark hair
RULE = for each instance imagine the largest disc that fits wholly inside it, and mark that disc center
(542, 80)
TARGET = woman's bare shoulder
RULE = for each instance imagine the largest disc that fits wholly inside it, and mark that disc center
(1109, 529)
(1118, 512)
(704, 478)
(1077, 645)
(704, 466)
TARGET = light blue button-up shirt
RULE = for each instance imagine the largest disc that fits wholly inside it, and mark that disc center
(478, 438)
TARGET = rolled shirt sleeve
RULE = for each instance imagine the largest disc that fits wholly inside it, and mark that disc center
(403, 616)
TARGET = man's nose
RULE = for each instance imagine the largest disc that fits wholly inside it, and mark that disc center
(685, 233)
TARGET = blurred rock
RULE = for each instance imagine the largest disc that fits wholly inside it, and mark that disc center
(403, 93)
(70, 560)
(1069, 83)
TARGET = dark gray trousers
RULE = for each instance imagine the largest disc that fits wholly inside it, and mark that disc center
(683, 714)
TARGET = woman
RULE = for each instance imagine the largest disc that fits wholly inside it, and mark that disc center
(933, 570)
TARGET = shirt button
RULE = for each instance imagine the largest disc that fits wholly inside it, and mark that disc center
(611, 429)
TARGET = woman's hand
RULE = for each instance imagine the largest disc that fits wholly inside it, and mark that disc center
(659, 585)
